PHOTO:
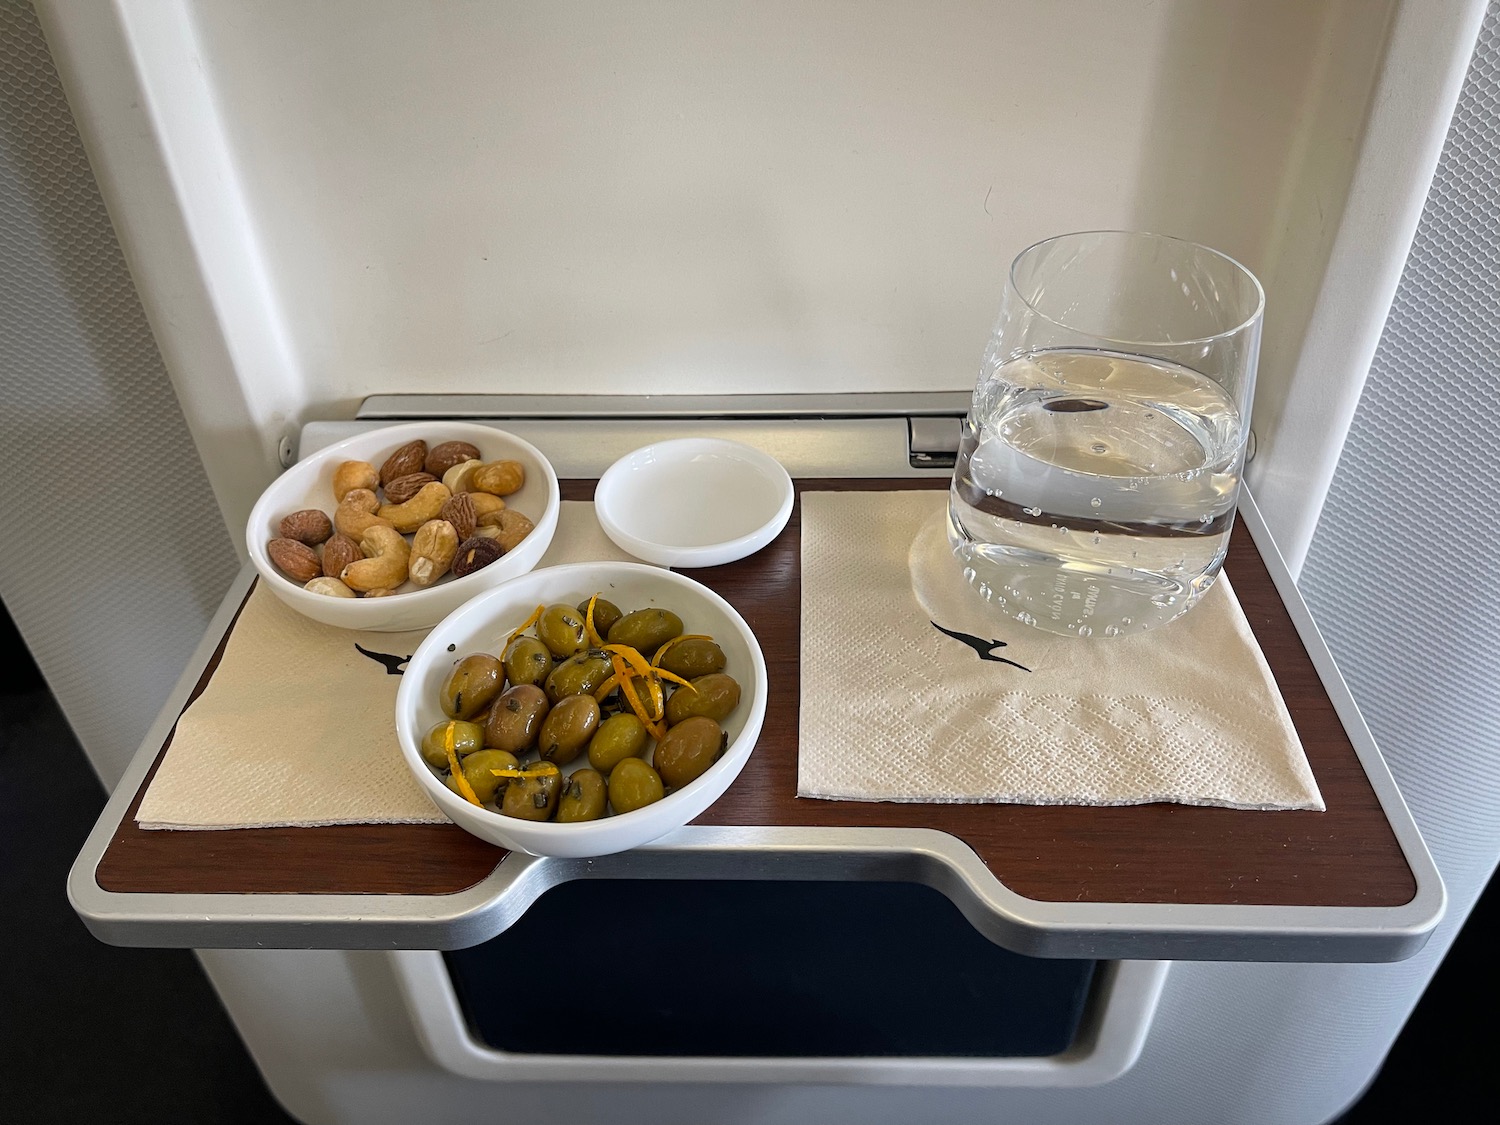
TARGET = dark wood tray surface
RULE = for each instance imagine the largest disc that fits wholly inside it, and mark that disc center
(1162, 853)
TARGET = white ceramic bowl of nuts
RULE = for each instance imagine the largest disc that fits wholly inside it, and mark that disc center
(486, 690)
(395, 528)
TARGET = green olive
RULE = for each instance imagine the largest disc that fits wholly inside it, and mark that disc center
(583, 673)
(479, 772)
(687, 749)
(646, 630)
(634, 785)
(692, 657)
(567, 728)
(527, 661)
(467, 739)
(582, 797)
(606, 613)
(516, 719)
(618, 737)
(560, 628)
(715, 695)
(535, 797)
(471, 686)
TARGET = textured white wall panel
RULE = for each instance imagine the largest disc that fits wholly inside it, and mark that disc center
(114, 554)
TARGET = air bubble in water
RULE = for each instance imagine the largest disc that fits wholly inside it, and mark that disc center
(970, 574)
(1095, 502)
(1032, 511)
(1111, 630)
(1099, 447)
(1096, 539)
(1085, 631)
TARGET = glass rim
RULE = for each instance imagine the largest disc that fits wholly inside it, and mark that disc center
(1255, 314)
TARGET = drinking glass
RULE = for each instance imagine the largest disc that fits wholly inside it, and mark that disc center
(1100, 462)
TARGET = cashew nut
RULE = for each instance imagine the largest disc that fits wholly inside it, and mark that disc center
(424, 506)
(354, 474)
(385, 566)
(498, 477)
(331, 587)
(457, 478)
(485, 505)
(357, 512)
(507, 528)
(432, 551)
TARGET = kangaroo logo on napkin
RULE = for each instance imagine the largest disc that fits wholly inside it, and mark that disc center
(392, 664)
(985, 649)
(895, 706)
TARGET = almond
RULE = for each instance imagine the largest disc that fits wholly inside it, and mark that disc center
(402, 489)
(338, 553)
(309, 526)
(407, 460)
(442, 457)
(459, 511)
(297, 561)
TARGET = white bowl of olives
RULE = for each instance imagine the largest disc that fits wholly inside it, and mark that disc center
(581, 710)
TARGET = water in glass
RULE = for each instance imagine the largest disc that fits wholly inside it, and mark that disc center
(1094, 490)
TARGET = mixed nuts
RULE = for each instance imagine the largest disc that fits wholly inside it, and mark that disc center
(422, 513)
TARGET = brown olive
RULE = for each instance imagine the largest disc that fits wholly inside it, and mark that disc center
(687, 749)
(634, 785)
(567, 728)
(479, 772)
(560, 628)
(516, 719)
(715, 695)
(693, 656)
(467, 739)
(646, 630)
(618, 737)
(533, 797)
(582, 673)
(606, 613)
(582, 797)
(471, 686)
(527, 661)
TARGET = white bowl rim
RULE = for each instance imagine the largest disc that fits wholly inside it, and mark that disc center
(612, 480)
(446, 799)
(258, 517)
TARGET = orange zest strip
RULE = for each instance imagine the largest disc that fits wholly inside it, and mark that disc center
(627, 685)
(658, 701)
(606, 687)
(643, 670)
(632, 657)
(656, 660)
(595, 640)
(527, 624)
(539, 769)
(459, 780)
(674, 677)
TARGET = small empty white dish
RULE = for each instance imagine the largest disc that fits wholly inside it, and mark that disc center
(694, 502)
